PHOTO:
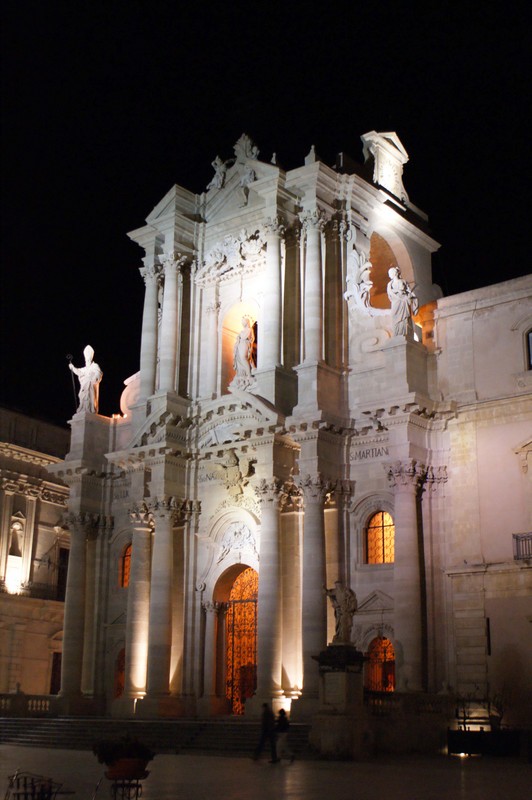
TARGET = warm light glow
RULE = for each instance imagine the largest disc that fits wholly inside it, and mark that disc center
(13, 580)
(241, 628)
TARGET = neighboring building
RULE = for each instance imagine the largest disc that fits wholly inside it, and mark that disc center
(287, 430)
(34, 548)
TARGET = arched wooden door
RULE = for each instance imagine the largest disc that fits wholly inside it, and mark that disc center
(241, 640)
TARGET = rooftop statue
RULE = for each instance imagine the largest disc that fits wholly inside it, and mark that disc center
(89, 378)
(220, 170)
(404, 303)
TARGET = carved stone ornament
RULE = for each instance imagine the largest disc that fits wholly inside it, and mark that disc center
(315, 489)
(406, 474)
(269, 490)
(237, 538)
(173, 261)
(313, 220)
(234, 472)
(141, 516)
(291, 496)
(234, 257)
(179, 511)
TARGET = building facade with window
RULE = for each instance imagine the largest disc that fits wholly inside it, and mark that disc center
(34, 549)
(308, 410)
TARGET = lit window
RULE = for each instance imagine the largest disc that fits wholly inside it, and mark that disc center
(125, 567)
(380, 539)
(380, 667)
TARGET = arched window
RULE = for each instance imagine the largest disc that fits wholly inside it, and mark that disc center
(528, 337)
(380, 667)
(380, 539)
(125, 566)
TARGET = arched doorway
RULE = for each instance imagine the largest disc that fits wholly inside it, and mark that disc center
(241, 640)
(380, 667)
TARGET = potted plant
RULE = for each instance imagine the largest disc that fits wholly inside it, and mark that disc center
(125, 758)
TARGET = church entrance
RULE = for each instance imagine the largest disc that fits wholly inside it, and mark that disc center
(241, 639)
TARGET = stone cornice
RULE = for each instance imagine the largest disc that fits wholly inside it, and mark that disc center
(40, 490)
(26, 455)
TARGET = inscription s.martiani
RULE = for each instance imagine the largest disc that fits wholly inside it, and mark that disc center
(369, 453)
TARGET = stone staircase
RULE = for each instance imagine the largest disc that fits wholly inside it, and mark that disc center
(228, 736)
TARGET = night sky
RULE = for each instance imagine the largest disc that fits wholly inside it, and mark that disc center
(107, 104)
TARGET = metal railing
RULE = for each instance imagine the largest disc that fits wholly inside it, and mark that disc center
(522, 543)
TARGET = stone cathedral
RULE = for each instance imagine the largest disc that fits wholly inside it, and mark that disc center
(309, 412)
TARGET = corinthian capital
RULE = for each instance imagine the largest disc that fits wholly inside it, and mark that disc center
(173, 261)
(268, 491)
(211, 607)
(176, 510)
(274, 227)
(291, 496)
(313, 220)
(406, 474)
(141, 516)
(83, 522)
(150, 272)
(316, 488)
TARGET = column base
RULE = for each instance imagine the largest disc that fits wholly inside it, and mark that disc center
(212, 706)
(161, 706)
(253, 707)
(304, 708)
(124, 707)
(74, 706)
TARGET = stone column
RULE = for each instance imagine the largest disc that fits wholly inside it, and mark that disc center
(269, 599)
(313, 297)
(148, 344)
(165, 514)
(138, 604)
(6, 512)
(314, 609)
(74, 621)
(211, 348)
(209, 669)
(87, 672)
(169, 326)
(406, 478)
(29, 537)
(269, 347)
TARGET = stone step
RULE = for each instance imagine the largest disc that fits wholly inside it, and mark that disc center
(235, 737)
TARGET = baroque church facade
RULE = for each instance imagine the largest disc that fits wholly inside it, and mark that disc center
(309, 412)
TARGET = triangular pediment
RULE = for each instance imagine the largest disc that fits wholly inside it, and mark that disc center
(177, 201)
(376, 601)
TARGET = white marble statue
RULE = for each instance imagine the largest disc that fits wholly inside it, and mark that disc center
(243, 356)
(404, 303)
(358, 280)
(344, 602)
(220, 170)
(89, 382)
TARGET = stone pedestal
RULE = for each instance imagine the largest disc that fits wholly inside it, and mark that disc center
(340, 729)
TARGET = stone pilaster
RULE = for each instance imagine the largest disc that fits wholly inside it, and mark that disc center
(29, 538)
(211, 348)
(211, 631)
(148, 345)
(406, 478)
(313, 224)
(169, 346)
(269, 352)
(6, 512)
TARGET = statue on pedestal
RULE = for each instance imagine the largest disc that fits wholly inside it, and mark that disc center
(243, 357)
(404, 303)
(344, 602)
(89, 382)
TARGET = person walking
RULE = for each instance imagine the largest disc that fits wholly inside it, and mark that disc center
(267, 734)
(282, 725)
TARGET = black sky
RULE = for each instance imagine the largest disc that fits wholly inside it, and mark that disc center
(107, 104)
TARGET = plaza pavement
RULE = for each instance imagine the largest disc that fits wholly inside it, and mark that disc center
(196, 777)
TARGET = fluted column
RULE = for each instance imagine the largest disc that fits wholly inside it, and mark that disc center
(165, 514)
(269, 349)
(313, 299)
(138, 604)
(169, 326)
(87, 673)
(148, 343)
(211, 349)
(406, 478)
(209, 675)
(74, 621)
(314, 610)
(269, 601)
(29, 535)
